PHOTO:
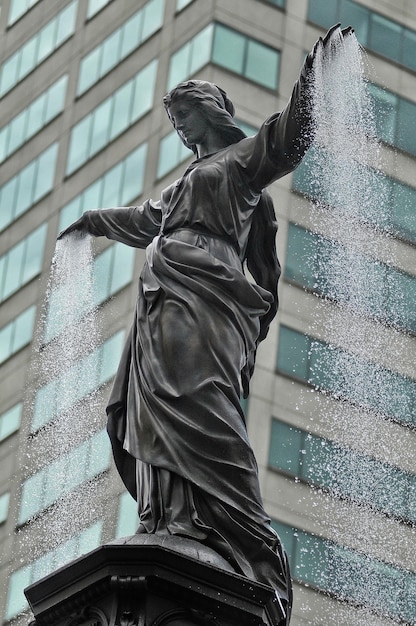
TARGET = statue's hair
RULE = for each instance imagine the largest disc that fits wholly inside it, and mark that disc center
(260, 254)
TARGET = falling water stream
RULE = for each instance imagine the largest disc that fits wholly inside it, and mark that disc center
(346, 161)
(66, 409)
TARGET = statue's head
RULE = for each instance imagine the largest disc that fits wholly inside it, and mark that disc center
(211, 103)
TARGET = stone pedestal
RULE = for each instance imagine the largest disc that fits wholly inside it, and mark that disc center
(149, 580)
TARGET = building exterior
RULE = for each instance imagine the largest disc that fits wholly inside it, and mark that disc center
(82, 126)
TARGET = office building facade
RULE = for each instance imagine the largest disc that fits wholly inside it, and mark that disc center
(82, 126)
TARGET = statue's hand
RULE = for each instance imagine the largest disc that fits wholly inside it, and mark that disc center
(325, 42)
(76, 227)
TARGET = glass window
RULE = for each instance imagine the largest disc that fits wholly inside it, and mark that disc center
(45, 172)
(120, 43)
(101, 120)
(285, 445)
(293, 353)
(191, 57)
(385, 37)
(110, 52)
(17, 333)
(385, 109)
(110, 356)
(353, 13)
(406, 126)
(152, 18)
(403, 210)
(22, 262)
(122, 267)
(328, 367)
(34, 51)
(181, 4)
(115, 115)
(262, 64)
(127, 518)
(10, 421)
(121, 112)
(408, 49)
(94, 6)
(19, 8)
(89, 70)
(171, 152)
(323, 12)
(229, 49)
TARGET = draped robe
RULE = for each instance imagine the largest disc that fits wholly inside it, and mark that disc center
(174, 415)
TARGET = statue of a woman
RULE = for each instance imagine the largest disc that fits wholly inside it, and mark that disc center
(174, 416)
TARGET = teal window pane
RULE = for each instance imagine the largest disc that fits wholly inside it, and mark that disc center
(90, 538)
(110, 52)
(131, 34)
(19, 8)
(169, 153)
(409, 48)
(4, 506)
(122, 267)
(47, 38)
(358, 16)
(153, 17)
(134, 168)
(70, 212)
(77, 466)
(385, 36)
(312, 560)
(179, 65)
(94, 6)
(301, 256)
(28, 57)
(17, 132)
(100, 126)
(79, 144)
(56, 98)
(6, 339)
(110, 356)
(403, 211)
(320, 461)
(66, 22)
(36, 114)
(10, 421)
(144, 91)
(44, 409)
(201, 49)
(89, 70)
(99, 454)
(120, 116)
(45, 172)
(102, 264)
(91, 198)
(33, 495)
(325, 369)
(23, 330)
(292, 356)
(4, 141)
(406, 131)
(13, 271)
(9, 73)
(111, 186)
(385, 108)
(34, 254)
(285, 445)
(323, 12)
(8, 201)
(127, 518)
(229, 49)
(262, 64)
(25, 188)
(402, 298)
(16, 601)
(181, 4)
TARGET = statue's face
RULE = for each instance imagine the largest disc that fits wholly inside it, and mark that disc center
(190, 123)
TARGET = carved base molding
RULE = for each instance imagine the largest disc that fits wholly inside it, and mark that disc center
(148, 580)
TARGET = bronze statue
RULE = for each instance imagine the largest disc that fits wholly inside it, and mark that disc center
(174, 416)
